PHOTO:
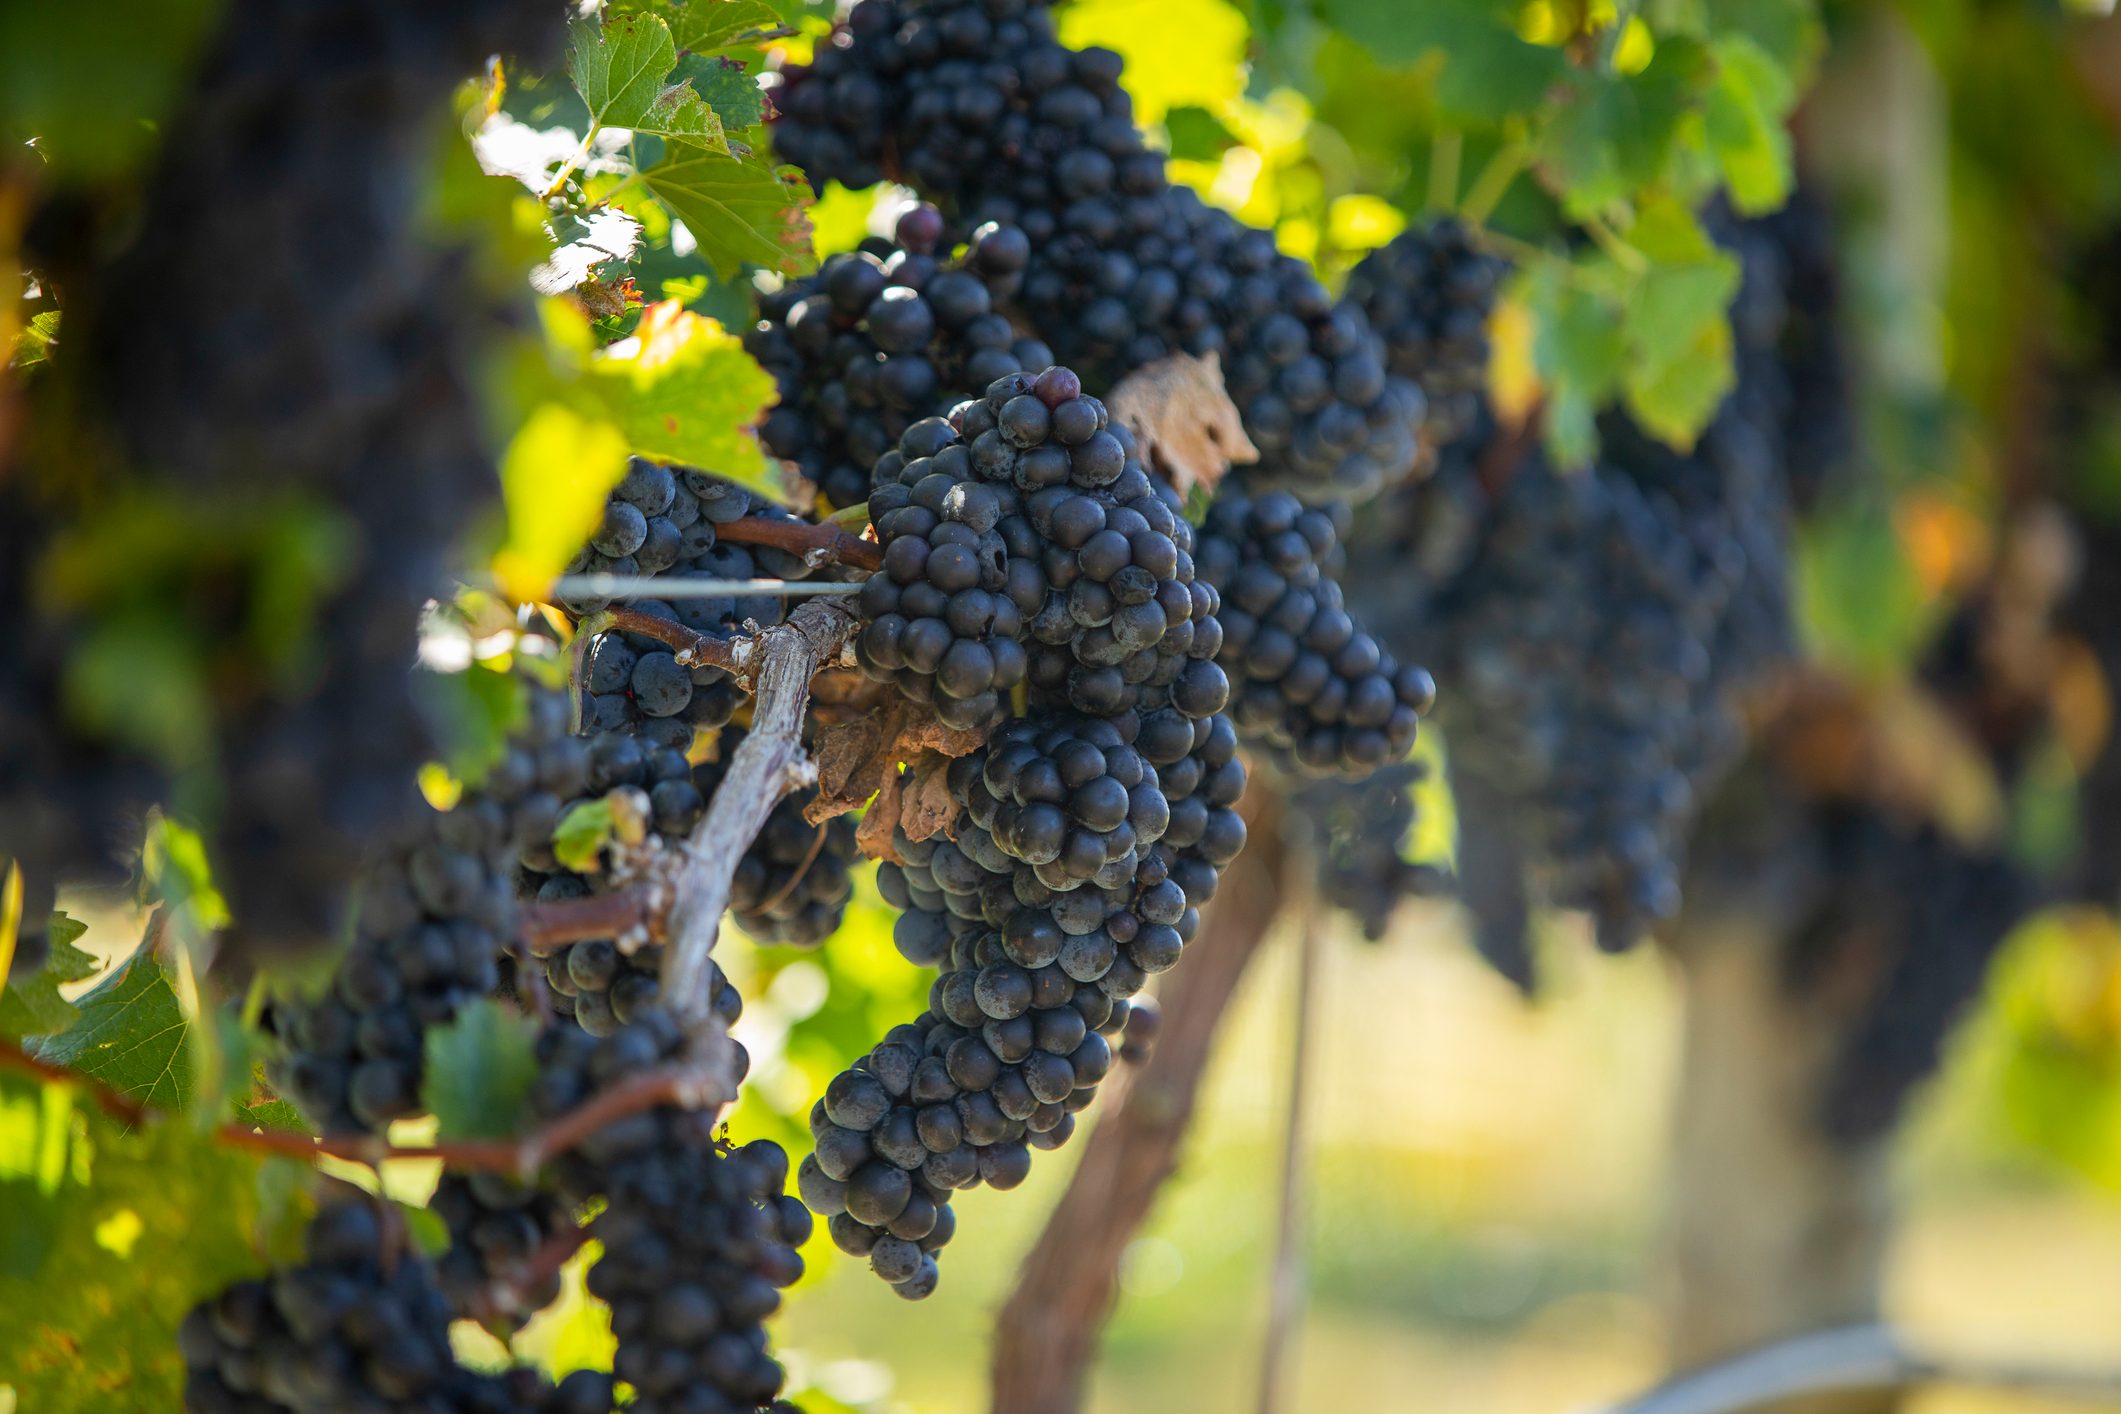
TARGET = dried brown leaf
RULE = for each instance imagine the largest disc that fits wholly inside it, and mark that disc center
(927, 809)
(874, 834)
(856, 757)
(1183, 420)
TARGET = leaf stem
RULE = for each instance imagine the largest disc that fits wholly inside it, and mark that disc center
(574, 160)
(1446, 153)
(1494, 180)
(1624, 255)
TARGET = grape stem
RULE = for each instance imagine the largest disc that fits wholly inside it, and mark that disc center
(547, 925)
(692, 648)
(522, 1156)
(780, 661)
(818, 543)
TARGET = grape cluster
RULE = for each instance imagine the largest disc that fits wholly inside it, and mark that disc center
(1037, 961)
(1024, 543)
(1597, 626)
(1427, 293)
(877, 340)
(979, 107)
(1310, 681)
(434, 914)
(361, 1324)
(698, 1240)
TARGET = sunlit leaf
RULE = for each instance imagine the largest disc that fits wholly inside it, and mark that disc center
(742, 211)
(726, 86)
(1179, 53)
(81, 1328)
(579, 839)
(705, 25)
(621, 67)
(583, 243)
(554, 477)
(33, 345)
(683, 389)
(131, 1036)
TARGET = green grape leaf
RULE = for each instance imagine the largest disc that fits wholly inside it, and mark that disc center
(132, 1035)
(1677, 323)
(1787, 32)
(425, 1227)
(703, 26)
(683, 389)
(1196, 134)
(726, 87)
(742, 211)
(32, 1005)
(839, 218)
(1614, 136)
(621, 67)
(583, 244)
(108, 1235)
(1744, 123)
(1674, 394)
(557, 470)
(479, 1069)
(1486, 72)
(578, 839)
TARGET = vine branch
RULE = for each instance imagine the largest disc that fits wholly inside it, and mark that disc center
(770, 762)
(1046, 1335)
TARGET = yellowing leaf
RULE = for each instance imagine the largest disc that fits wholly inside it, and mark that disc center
(1514, 388)
(557, 471)
(683, 389)
(1179, 53)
